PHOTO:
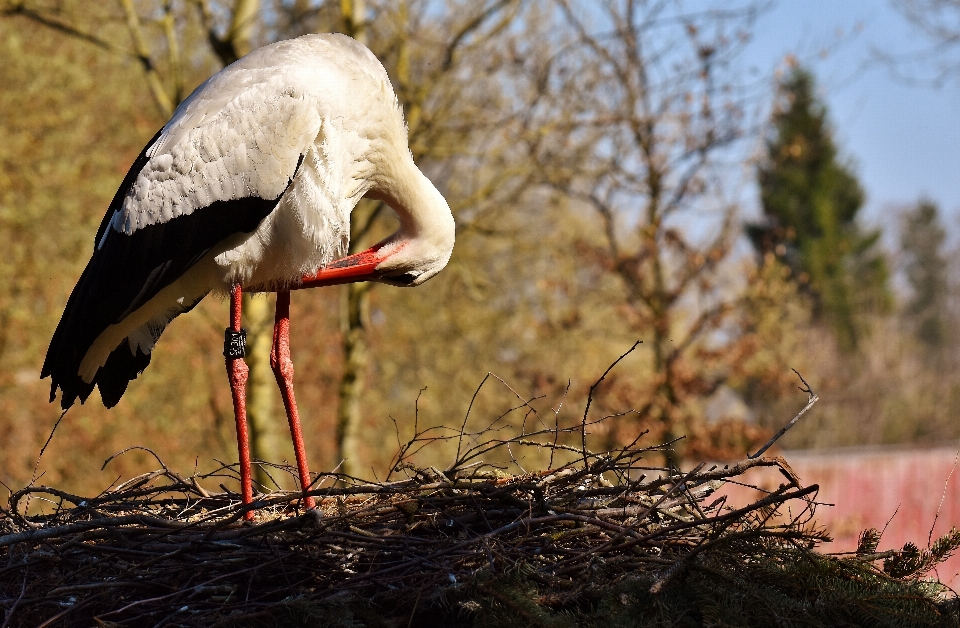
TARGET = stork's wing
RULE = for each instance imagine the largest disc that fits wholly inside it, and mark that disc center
(212, 150)
(216, 169)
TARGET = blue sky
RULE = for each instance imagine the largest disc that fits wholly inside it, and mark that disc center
(903, 139)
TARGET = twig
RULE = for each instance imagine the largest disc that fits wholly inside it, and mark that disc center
(811, 399)
(40, 455)
(586, 410)
(7, 616)
(131, 448)
(556, 422)
(943, 496)
(895, 511)
(466, 418)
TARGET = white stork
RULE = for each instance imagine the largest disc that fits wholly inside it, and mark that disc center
(250, 186)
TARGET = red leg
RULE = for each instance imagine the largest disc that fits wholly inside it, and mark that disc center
(237, 372)
(283, 370)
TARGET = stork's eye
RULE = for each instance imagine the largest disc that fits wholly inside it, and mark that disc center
(404, 279)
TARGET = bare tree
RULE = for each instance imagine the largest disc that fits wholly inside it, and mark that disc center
(933, 60)
(660, 118)
(426, 59)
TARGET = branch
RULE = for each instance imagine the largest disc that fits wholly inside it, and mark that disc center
(176, 61)
(469, 28)
(811, 399)
(586, 410)
(62, 27)
(142, 53)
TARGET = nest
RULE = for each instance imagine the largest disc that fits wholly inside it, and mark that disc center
(598, 539)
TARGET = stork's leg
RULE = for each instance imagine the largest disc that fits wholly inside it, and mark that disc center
(283, 370)
(234, 348)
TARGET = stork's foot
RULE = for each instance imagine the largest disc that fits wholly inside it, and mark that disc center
(282, 366)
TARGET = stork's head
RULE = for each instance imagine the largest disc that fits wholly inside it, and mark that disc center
(423, 244)
(416, 252)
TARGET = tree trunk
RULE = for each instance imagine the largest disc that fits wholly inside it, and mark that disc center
(354, 19)
(354, 302)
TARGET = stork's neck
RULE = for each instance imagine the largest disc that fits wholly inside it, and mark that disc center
(417, 251)
(423, 212)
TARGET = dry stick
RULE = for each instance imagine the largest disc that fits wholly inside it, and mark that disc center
(414, 611)
(15, 498)
(523, 425)
(140, 447)
(51, 533)
(811, 399)
(943, 495)
(528, 521)
(556, 423)
(23, 589)
(402, 449)
(583, 424)
(321, 477)
(71, 609)
(777, 497)
(181, 591)
(466, 418)
(525, 402)
(741, 467)
(525, 522)
(262, 465)
(36, 466)
(643, 515)
(491, 444)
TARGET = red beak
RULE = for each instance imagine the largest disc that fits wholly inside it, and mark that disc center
(351, 269)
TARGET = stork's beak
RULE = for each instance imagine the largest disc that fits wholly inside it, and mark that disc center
(351, 269)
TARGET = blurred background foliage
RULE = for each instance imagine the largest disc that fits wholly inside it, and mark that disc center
(596, 156)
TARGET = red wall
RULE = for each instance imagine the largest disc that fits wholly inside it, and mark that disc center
(866, 488)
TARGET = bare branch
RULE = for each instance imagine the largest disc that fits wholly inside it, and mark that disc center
(66, 29)
(142, 53)
(811, 399)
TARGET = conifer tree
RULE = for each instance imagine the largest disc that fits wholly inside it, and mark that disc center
(922, 238)
(810, 202)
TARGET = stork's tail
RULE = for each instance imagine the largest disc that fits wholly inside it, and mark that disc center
(91, 309)
(63, 364)
(79, 326)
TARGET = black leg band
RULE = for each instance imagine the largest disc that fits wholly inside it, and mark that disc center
(234, 343)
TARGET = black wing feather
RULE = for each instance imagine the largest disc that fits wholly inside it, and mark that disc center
(126, 272)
